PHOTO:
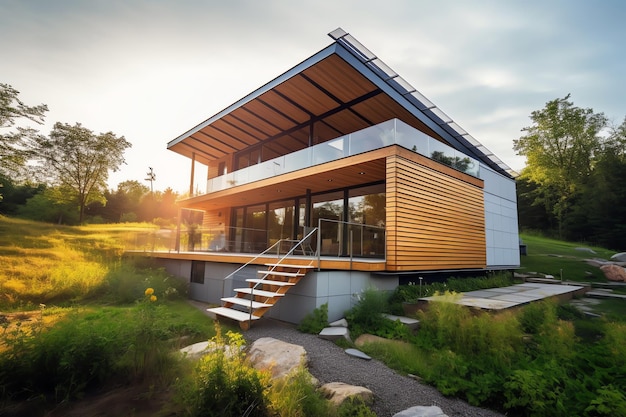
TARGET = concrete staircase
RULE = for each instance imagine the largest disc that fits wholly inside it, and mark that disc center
(251, 303)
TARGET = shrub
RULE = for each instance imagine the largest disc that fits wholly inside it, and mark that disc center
(315, 321)
(224, 384)
(366, 315)
(609, 402)
(354, 407)
(296, 396)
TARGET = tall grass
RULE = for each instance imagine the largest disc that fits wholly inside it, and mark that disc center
(525, 362)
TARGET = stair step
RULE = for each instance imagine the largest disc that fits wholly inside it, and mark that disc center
(292, 266)
(281, 273)
(260, 293)
(245, 302)
(232, 314)
(270, 282)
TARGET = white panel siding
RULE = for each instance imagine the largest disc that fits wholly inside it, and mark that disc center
(502, 234)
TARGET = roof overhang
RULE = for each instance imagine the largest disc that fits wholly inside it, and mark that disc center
(341, 89)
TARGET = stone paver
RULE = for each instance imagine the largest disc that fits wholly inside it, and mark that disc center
(516, 295)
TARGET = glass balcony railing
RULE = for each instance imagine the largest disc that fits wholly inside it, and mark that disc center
(391, 132)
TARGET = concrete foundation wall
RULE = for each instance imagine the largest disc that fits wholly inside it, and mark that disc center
(337, 288)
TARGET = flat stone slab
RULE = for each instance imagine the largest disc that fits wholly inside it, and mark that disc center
(412, 324)
(334, 333)
(358, 354)
(339, 323)
(515, 295)
(421, 411)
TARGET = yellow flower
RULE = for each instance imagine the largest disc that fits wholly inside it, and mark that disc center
(149, 291)
(153, 298)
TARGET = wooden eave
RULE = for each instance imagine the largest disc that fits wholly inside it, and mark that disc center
(328, 93)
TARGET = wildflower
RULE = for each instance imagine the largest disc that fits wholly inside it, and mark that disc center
(153, 298)
(149, 291)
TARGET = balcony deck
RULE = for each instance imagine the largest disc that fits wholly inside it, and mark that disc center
(322, 263)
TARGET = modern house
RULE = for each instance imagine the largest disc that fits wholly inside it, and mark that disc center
(336, 176)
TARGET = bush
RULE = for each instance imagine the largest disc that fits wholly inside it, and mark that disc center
(366, 315)
(224, 384)
(315, 321)
(296, 396)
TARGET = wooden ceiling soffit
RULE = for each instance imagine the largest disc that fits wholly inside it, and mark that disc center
(184, 148)
(263, 110)
(381, 108)
(346, 121)
(227, 128)
(252, 118)
(308, 96)
(337, 76)
(209, 141)
(211, 132)
(284, 107)
(255, 126)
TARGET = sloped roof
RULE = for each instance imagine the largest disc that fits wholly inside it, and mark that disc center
(339, 90)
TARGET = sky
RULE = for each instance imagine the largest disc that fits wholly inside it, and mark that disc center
(150, 70)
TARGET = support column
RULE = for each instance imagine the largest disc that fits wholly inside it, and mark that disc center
(193, 169)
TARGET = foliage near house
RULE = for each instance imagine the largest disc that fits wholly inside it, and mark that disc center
(544, 359)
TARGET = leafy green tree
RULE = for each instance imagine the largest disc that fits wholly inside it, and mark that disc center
(75, 158)
(14, 151)
(51, 205)
(560, 147)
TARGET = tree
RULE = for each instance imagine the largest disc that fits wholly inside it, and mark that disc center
(14, 150)
(75, 158)
(559, 148)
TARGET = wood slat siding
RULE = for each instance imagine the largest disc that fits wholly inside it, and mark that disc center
(434, 221)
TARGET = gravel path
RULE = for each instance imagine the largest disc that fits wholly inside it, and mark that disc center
(392, 391)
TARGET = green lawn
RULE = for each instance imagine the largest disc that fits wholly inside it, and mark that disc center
(562, 259)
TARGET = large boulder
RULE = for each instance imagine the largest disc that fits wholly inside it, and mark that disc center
(279, 357)
(614, 273)
(338, 392)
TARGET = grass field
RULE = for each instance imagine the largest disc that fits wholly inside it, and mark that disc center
(561, 259)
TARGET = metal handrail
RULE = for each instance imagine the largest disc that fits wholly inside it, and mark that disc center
(289, 252)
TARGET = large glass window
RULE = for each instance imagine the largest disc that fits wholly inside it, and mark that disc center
(366, 206)
(280, 221)
(255, 235)
(329, 208)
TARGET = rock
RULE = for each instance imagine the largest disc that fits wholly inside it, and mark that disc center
(368, 338)
(334, 333)
(358, 354)
(588, 250)
(339, 323)
(614, 273)
(198, 350)
(277, 356)
(421, 411)
(338, 392)
(412, 324)
(620, 257)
